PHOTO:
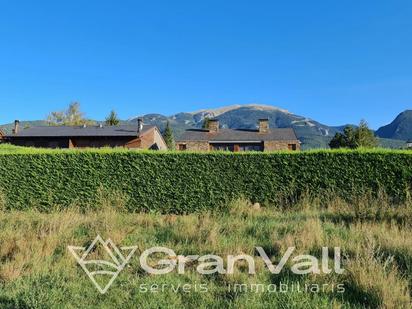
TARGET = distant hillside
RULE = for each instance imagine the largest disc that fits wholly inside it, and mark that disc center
(391, 143)
(400, 128)
(7, 128)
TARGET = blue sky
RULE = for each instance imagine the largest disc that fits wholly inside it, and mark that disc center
(333, 61)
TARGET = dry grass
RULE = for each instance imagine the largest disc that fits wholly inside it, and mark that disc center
(376, 278)
(378, 253)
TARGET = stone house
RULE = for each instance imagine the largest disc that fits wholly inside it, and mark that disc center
(138, 136)
(216, 138)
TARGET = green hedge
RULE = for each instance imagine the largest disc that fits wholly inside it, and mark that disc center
(186, 182)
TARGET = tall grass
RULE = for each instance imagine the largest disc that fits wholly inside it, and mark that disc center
(37, 271)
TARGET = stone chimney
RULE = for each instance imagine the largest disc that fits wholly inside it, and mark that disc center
(264, 125)
(139, 125)
(213, 125)
(16, 127)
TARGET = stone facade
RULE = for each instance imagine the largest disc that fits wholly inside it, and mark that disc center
(213, 125)
(263, 125)
(267, 145)
(281, 145)
(194, 146)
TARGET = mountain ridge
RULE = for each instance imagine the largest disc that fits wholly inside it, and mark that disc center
(399, 128)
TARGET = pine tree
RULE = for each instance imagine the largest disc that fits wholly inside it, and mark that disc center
(365, 137)
(112, 119)
(168, 137)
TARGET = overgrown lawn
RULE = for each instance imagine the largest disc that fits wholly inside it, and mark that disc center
(37, 270)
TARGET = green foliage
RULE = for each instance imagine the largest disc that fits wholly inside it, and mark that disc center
(112, 119)
(169, 137)
(184, 182)
(2, 200)
(364, 137)
(353, 138)
(70, 117)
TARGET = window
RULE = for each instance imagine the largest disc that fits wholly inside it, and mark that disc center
(223, 147)
(182, 147)
(250, 147)
(53, 144)
(292, 146)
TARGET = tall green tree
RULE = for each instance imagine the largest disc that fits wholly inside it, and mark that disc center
(112, 119)
(364, 137)
(353, 138)
(72, 116)
(169, 137)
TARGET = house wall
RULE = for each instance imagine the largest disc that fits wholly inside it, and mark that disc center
(146, 141)
(159, 141)
(267, 145)
(75, 142)
(104, 141)
(149, 140)
(40, 142)
(134, 143)
(153, 140)
(195, 145)
(236, 147)
(280, 145)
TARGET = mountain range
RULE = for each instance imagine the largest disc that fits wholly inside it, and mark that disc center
(312, 134)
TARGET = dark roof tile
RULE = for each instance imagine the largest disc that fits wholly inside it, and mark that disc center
(75, 131)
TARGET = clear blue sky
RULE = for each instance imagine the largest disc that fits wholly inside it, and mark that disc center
(333, 61)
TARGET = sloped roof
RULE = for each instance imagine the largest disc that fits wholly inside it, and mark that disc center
(76, 131)
(232, 135)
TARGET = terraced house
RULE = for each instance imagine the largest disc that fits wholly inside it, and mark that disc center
(138, 136)
(216, 138)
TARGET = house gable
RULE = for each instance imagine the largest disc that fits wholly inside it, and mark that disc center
(152, 139)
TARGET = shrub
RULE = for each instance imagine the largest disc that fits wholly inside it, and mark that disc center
(183, 182)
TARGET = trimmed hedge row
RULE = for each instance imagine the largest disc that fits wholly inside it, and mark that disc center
(186, 182)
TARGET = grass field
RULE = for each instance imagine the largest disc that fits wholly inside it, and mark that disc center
(37, 270)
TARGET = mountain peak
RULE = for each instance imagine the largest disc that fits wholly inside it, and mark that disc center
(221, 110)
(400, 128)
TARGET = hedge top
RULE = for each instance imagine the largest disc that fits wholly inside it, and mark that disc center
(7, 149)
